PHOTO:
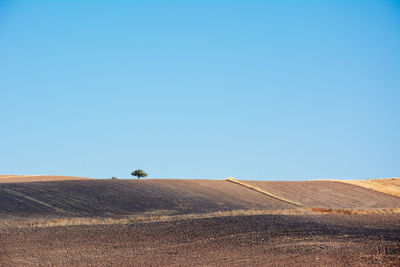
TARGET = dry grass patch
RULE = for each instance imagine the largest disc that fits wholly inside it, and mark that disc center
(165, 218)
(389, 186)
(354, 211)
(144, 218)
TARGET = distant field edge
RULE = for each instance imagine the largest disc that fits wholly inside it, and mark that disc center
(390, 186)
(38, 178)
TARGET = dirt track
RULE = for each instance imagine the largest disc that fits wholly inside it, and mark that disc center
(231, 241)
(329, 194)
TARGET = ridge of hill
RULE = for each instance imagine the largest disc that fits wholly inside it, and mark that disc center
(37, 178)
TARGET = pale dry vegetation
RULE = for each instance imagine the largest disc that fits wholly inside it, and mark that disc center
(354, 211)
(145, 218)
(168, 218)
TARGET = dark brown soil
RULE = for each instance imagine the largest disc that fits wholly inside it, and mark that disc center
(268, 240)
(329, 194)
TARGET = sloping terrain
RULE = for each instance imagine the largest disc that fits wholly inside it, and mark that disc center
(389, 186)
(328, 194)
(81, 197)
(110, 198)
(60, 223)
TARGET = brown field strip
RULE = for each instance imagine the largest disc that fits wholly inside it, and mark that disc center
(317, 209)
(261, 240)
(118, 198)
(327, 194)
(255, 188)
(37, 178)
(87, 202)
(389, 186)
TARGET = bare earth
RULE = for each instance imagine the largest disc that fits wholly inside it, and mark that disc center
(258, 240)
(389, 186)
(113, 198)
(269, 240)
(329, 194)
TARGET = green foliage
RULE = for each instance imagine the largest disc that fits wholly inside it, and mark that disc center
(139, 173)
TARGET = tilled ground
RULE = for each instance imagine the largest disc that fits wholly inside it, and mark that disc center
(328, 194)
(273, 240)
(113, 198)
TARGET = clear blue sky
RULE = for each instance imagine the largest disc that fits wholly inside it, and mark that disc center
(200, 89)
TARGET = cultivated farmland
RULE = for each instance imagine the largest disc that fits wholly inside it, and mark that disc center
(82, 222)
(328, 194)
(388, 186)
(116, 198)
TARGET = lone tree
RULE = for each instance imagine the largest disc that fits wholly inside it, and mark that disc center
(139, 173)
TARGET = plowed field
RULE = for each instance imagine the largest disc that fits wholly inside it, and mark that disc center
(36, 218)
(329, 194)
(230, 241)
(110, 198)
(389, 186)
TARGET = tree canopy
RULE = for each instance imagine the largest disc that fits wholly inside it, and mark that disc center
(139, 173)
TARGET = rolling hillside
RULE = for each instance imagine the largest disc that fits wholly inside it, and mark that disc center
(60, 197)
(110, 198)
(389, 186)
(328, 194)
(73, 222)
